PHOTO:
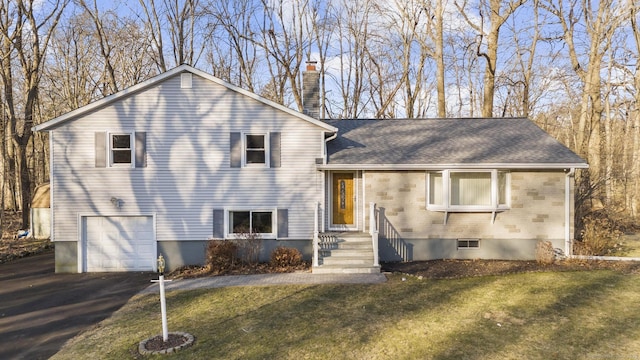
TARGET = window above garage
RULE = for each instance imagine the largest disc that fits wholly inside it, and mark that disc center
(120, 149)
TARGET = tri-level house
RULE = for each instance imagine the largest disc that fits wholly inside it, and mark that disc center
(167, 164)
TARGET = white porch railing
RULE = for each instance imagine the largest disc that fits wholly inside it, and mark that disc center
(373, 231)
(316, 234)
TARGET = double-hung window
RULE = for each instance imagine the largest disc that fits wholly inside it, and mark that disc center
(120, 149)
(255, 149)
(468, 191)
(257, 222)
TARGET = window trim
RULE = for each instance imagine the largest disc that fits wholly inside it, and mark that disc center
(267, 149)
(132, 149)
(228, 232)
(446, 206)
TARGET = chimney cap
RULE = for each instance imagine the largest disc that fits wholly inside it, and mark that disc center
(311, 65)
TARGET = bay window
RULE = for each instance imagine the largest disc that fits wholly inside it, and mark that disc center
(468, 191)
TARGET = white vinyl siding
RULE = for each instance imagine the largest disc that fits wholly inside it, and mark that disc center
(187, 172)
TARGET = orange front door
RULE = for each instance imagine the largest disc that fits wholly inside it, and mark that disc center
(343, 199)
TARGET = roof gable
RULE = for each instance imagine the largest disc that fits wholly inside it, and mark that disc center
(447, 143)
(61, 120)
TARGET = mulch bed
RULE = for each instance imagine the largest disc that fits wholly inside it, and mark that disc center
(176, 341)
(454, 269)
(190, 272)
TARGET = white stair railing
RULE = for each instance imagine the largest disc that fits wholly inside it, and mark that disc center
(316, 234)
(373, 231)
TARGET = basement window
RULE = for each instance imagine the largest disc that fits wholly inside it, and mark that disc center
(464, 244)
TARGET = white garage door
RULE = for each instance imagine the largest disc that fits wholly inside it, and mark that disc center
(119, 243)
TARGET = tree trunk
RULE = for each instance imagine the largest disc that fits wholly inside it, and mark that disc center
(439, 40)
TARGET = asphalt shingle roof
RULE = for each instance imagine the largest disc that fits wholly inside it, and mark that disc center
(446, 141)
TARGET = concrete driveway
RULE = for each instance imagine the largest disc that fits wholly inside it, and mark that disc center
(41, 310)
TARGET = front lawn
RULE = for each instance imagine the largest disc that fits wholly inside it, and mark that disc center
(566, 315)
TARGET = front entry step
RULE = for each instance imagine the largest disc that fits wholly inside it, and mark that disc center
(345, 253)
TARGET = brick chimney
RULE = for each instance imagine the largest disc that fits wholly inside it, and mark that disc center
(311, 91)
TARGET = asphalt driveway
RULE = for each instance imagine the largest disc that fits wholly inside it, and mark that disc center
(41, 310)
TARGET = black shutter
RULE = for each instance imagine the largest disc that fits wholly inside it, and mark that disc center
(101, 149)
(235, 150)
(274, 147)
(141, 149)
(218, 223)
(283, 223)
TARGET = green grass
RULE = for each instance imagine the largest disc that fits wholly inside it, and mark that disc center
(569, 315)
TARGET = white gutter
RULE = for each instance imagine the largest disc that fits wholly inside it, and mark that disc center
(568, 249)
(478, 166)
(324, 151)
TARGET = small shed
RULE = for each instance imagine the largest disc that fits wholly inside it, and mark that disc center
(41, 212)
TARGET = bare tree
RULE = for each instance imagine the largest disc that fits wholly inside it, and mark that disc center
(183, 26)
(439, 55)
(634, 122)
(233, 55)
(499, 12)
(403, 50)
(284, 42)
(155, 27)
(352, 25)
(106, 47)
(25, 31)
(73, 77)
(600, 24)
(180, 19)
(524, 66)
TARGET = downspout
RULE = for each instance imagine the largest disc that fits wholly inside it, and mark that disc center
(324, 150)
(568, 248)
(325, 159)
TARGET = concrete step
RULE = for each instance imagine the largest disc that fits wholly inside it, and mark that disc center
(344, 253)
(346, 246)
(346, 260)
(330, 269)
(364, 252)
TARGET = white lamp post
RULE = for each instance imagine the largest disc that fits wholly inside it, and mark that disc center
(163, 302)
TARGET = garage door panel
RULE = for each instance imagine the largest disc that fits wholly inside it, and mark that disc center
(119, 243)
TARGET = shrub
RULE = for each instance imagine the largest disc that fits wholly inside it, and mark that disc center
(283, 257)
(221, 256)
(249, 244)
(545, 253)
(599, 237)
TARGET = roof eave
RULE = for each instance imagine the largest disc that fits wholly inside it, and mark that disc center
(511, 166)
